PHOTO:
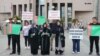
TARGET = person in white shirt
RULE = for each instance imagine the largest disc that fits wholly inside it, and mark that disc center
(25, 30)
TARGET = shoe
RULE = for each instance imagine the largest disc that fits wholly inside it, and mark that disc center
(56, 52)
(12, 53)
(90, 53)
(78, 52)
(28, 47)
(25, 47)
(98, 54)
(61, 52)
(73, 52)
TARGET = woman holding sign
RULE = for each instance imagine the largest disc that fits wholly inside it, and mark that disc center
(76, 42)
(94, 38)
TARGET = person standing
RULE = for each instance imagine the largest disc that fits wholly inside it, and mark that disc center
(34, 40)
(25, 30)
(45, 43)
(8, 25)
(15, 40)
(53, 28)
(94, 38)
(76, 42)
(60, 40)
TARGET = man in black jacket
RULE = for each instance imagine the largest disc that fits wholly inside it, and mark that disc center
(53, 28)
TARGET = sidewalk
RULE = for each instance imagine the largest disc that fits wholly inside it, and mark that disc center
(68, 48)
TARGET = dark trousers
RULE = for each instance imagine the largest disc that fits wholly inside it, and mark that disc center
(62, 41)
(9, 39)
(96, 40)
(15, 41)
(76, 45)
(27, 39)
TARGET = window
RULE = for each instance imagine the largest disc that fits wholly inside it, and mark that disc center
(25, 7)
(14, 10)
(42, 10)
(69, 12)
(30, 6)
(55, 6)
(20, 10)
(62, 10)
(37, 7)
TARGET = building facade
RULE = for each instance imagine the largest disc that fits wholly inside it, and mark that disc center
(83, 10)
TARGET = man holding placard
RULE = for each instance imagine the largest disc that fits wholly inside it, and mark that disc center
(16, 28)
(94, 27)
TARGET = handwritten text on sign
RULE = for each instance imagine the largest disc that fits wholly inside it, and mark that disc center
(27, 15)
(76, 33)
(54, 15)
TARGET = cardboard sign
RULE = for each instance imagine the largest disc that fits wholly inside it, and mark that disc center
(16, 28)
(54, 15)
(95, 30)
(27, 15)
(76, 33)
(41, 20)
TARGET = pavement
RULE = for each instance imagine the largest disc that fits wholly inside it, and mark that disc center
(68, 48)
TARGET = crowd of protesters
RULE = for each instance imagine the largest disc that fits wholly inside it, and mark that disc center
(42, 36)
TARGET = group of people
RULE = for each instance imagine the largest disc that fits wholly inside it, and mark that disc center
(38, 37)
(42, 36)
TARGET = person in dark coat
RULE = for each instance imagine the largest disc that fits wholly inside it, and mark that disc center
(53, 28)
(60, 40)
(45, 44)
(33, 33)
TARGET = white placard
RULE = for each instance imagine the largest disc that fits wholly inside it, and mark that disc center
(54, 15)
(76, 33)
(27, 15)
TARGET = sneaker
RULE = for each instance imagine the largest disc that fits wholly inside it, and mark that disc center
(61, 52)
(12, 53)
(25, 47)
(78, 52)
(28, 47)
(56, 52)
(90, 53)
(73, 52)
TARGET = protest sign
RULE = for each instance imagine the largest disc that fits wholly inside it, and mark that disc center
(76, 33)
(41, 20)
(54, 15)
(27, 15)
(16, 28)
(95, 30)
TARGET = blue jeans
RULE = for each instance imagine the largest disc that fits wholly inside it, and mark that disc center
(76, 45)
